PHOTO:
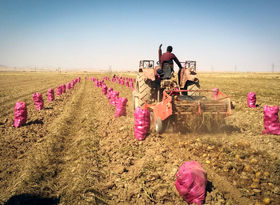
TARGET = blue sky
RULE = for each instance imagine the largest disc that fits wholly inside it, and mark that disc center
(218, 34)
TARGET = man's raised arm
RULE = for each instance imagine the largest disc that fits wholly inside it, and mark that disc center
(159, 53)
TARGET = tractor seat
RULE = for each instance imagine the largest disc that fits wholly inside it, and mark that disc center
(167, 68)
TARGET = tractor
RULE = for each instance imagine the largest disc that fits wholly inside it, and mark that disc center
(178, 104)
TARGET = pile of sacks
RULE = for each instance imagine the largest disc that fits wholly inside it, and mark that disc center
(118, 102)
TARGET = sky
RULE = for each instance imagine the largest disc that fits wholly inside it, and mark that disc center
(221, 35)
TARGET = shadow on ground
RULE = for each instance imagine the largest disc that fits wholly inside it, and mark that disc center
(35, 122)
(24, 199)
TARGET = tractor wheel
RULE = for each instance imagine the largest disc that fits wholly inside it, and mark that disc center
(159, 126)
(143, 90)
(135, 100)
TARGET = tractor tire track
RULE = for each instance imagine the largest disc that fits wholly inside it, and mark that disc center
(17, 143)
(65, 165)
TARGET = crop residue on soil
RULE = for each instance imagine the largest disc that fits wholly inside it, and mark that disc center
(75, 152)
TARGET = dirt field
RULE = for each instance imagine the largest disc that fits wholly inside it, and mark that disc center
(75, 152)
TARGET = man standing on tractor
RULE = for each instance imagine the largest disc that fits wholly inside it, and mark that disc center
(166, 62)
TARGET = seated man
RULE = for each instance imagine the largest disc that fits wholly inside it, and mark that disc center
(166, 62)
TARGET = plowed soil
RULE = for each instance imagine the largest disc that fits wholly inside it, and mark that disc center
(75, 152)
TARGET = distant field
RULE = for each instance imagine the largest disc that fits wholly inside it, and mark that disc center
(74, 151)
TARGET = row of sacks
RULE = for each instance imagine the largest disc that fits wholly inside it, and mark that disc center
(271, 119)
(191, 178)
(141, 116)
(118, 102)
(128, 82)
(20, 112)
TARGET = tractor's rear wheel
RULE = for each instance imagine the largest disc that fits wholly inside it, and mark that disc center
(143, 90)
(135, 99)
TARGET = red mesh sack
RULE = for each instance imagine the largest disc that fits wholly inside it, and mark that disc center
(63, 88)
(271, 120)
(120, 107)
(251, 99)
(191, 180)
(127, 83)
(114, 97)
(68, 86)
(20, 114)
(141, 123)
(38, 101)
(109, 91)
(72, 84)
(131, 85)
(104, 89)
(50, 94)
(58, 91)
(96, 83)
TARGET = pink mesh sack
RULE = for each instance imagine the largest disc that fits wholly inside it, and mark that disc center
(100, 83)
(50, 94)
(127, 83)
(58, 91)
(68, 86)
(72, 84)
(96, 83)
(63, 88)
(38, 101)
(141, 123)
(104, 89)
(215, 93)
(20, 114)
(114, 97)
(271, 120)
(120, 107)
(109, 90)
(191, 180)
(251, 99)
